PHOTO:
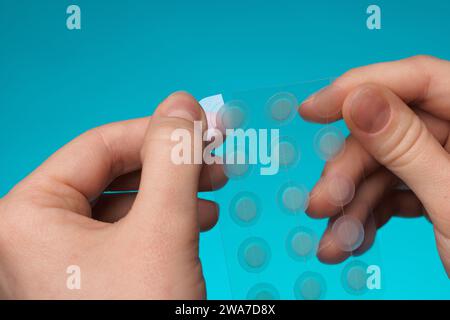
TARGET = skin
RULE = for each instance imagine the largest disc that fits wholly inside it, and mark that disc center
(398, 114)
(145, 245)
(142, 246)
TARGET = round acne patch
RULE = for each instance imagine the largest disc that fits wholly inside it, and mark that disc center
(329, 142)
(282, 107)
(341, 190)
(289, 153)
(348, 233)
(354, 277)
(263, 291)
(236, 165)
(301, 243)
(254, 254)
(310, 286)
(245, 208)
(293, 198)
(232, 115)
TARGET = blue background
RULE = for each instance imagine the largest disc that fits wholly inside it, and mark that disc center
(56, 83)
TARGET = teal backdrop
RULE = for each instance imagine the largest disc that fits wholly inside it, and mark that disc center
(56, 84)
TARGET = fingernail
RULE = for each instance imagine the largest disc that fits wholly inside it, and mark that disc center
(326, 102)
(181, 113)
(370, 111)
(183, 106)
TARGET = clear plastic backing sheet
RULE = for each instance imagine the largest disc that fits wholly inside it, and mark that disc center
(270, 243)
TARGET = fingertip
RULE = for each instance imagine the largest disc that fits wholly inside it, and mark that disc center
(172, 160)
(213, 177)
(329, 252)
(325, 105)
(208, 214)
(181, 95)
(319, 207)
(306, 111)
(183, 105)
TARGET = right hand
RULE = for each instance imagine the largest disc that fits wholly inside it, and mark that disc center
(398, 114)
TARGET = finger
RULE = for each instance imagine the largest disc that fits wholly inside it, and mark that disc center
(330, 252)
(113, 207)
(212, 178)
(349, 167)
(370, 232)
(398, 139)
(208, 214)
(126, 182)
(403, 204)
(399, 203)
(352, 165)
(420, 81)
(83, 168)
(167, 198)
(443, 245)
(337, 245)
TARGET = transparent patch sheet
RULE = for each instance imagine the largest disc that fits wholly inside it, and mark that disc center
(270, 243)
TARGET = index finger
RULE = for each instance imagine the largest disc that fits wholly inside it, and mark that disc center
(420, 81)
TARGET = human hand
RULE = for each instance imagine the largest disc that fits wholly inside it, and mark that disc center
(151, 251)
(398, 114)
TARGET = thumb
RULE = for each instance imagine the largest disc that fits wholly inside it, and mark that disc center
(167, 198)
(398, 139)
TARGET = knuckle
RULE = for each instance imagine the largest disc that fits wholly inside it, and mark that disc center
(373, 88)
(165, 127)
(166, 133)
(97, 136)
(421, 64)
(405, 145)
(422, 58)
(101, 138)
(349, 74)
(353, 76)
